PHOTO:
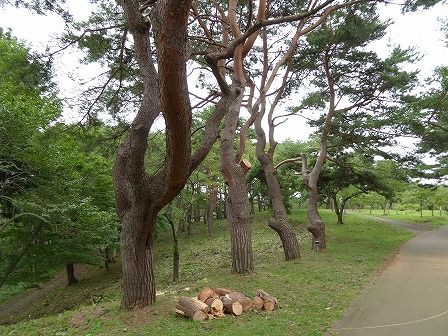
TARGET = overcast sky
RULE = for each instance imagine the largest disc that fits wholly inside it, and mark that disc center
(420, 30)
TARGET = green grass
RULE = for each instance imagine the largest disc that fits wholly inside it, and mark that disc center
(313, 292)
(411, 216)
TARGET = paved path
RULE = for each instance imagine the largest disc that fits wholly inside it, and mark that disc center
(411, 297)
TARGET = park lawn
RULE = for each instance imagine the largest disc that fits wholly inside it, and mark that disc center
(313, 292)
(416, 217)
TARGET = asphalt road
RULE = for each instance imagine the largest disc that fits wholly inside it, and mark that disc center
(410, 298)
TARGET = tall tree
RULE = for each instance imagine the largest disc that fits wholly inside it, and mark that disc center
(351, 82)
(139, 196)
(245, 76)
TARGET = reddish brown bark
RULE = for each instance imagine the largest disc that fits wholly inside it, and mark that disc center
(139, 197)
(237, 202)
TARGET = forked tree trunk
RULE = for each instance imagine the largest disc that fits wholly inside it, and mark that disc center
(339, 209)
(340, 215)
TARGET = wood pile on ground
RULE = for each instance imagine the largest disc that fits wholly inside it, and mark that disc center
(219, 302)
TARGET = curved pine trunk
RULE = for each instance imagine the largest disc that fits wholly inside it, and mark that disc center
(279, 222)
(316, 226)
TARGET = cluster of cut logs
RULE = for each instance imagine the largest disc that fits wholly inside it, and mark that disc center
(218, 302)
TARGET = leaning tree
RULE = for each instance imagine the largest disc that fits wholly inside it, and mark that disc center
(354, 86)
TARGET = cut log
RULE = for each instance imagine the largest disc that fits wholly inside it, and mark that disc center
(269, 301)
(180, 312)
(245, 164)
(187, 307)
(246, 303)
(222, 291)
(232, 306)
(201, 305)
(268, 305)
(258, 303)
(266, 296)
(205, 294)
(219, 314)
(215, 305)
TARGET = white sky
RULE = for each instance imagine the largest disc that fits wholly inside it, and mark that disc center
(420, 30)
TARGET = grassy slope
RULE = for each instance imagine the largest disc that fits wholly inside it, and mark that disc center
(412, 216)
(312, 292)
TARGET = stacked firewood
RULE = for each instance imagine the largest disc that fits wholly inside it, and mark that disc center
(218, 302)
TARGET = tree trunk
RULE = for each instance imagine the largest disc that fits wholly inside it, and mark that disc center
(175, 250)
(339, 209)
(259, 203)
(340, 217)
(421, 208)
(139, 197)
(189, 218)
(212, 196)
(340, 214)
(137, 262)
(280, 222)
(316, 226)
(237, 201)
(208, 217)
(238, 216)
(70, 269)
(106, 258)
